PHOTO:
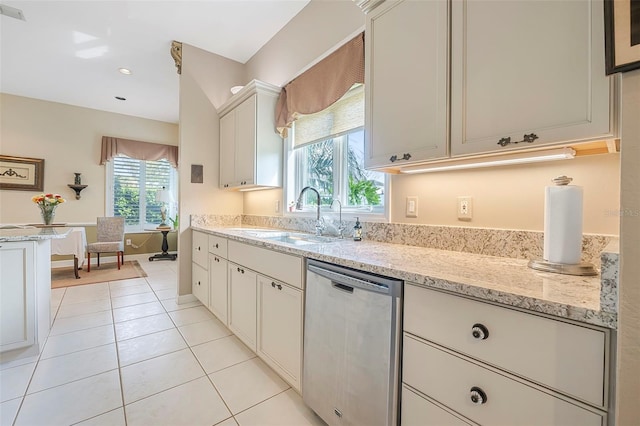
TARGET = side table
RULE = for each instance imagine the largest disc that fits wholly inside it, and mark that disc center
(165, 247)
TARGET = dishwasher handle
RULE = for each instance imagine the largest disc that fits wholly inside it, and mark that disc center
(344, 281)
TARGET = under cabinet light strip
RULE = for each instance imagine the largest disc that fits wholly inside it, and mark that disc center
(502, 160)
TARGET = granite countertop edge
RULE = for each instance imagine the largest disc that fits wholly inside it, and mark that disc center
(482, 277)
(9, 235)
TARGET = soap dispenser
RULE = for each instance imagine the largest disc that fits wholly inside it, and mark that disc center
(357, 231)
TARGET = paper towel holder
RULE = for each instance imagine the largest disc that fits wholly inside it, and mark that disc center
(582, 268)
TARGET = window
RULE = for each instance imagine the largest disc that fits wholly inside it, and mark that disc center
(131, 191)
(327, 152)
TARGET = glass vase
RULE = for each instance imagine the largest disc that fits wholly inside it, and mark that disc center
(48, 213)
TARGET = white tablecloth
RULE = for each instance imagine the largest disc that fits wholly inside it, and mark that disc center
(75, 243)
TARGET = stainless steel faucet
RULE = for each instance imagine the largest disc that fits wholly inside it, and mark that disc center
(341, 226)
(319, 222)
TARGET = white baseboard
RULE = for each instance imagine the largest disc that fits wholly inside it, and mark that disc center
(186, 298)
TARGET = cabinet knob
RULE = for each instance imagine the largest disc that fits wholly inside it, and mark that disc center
(216, 245)
(241, 270)
(477, 396)
(479, 331)
(273, 284)
(279, 287)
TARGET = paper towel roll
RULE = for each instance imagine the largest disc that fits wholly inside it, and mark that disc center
(563, 224)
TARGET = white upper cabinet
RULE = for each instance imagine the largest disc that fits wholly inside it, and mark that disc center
(527, 70)
(406, 81)
(250, 148)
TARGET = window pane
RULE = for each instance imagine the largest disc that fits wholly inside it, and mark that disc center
(136, 183)
(316, 170)
(365, 187)
(126, 189)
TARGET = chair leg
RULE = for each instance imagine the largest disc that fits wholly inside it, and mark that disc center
(98, 259)
(88, 262)
(118, 257)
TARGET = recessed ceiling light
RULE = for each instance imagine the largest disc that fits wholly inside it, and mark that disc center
(120, 98)
(125, 71)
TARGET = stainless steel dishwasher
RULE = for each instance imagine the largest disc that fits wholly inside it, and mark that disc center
(352, 330)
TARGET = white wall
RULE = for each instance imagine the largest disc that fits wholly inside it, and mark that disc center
(320, 26)
(68, 138)
(204, 86)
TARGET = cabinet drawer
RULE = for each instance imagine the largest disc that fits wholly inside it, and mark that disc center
(563, 356)
(218, 245)
(199, 248)
(450, 379)
(418, 411)
(283, 267)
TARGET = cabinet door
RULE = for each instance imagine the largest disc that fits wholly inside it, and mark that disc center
(218, 287)
(227, 150)
(242, 304)
(511, 78)
(200, 283)
(406, 74)
(17, 295)
(245, 155)
(280, 328)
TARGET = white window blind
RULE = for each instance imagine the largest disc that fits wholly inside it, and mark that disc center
(135, 183)
(340, 118)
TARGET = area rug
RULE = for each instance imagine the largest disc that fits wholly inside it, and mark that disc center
(64, 277)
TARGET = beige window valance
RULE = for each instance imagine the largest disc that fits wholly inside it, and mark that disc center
(321, 85)
(112, 147)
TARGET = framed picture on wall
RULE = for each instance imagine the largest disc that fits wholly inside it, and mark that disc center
(622, 35)
(21, 174)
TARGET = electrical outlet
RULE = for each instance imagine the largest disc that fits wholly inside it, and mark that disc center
(465, 208)
(412, 207)
(128, 242)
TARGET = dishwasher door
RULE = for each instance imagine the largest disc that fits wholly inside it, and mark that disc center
(351, 345)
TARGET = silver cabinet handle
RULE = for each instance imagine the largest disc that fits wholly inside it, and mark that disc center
(477, 395)
(479, 332)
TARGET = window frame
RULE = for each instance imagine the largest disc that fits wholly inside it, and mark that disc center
(109, 205)
(289, 196)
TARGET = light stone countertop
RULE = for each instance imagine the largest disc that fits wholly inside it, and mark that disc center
(503, 280)
(32, 234)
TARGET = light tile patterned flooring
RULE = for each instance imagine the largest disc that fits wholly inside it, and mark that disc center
(124, 353)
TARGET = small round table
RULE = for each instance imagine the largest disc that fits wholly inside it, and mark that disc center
(165, 247)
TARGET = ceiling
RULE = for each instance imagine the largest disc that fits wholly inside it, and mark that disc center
(70, 51)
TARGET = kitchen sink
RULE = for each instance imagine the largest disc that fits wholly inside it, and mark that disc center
(277, 235)
(299, 238)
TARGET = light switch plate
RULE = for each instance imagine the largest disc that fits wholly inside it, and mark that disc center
(412, 207)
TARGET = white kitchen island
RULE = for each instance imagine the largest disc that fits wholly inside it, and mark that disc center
(25, 290)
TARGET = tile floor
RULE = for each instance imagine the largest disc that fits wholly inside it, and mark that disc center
(124, 353)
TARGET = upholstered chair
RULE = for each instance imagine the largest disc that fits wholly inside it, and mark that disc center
(110, 240)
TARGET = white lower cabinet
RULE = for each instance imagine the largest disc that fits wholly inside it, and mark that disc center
(242, 303)
(17, 295)
(489, 364)
(280, 313)
(218, 294)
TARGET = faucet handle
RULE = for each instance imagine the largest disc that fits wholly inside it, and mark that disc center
(320, 226)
